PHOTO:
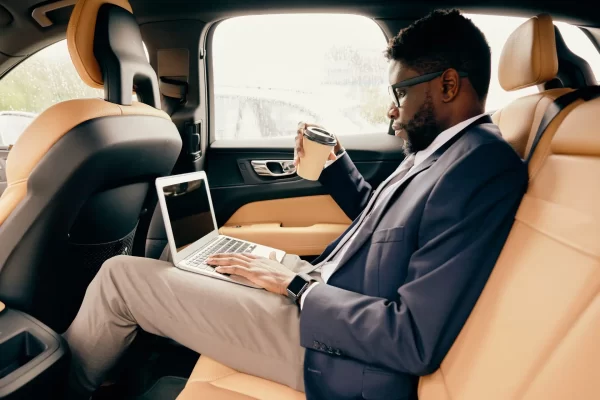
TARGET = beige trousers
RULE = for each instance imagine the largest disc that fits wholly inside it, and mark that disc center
(250, 330)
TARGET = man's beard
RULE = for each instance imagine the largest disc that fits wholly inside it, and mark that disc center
(422, 129)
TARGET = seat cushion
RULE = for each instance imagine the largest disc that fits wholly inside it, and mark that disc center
(215, 381)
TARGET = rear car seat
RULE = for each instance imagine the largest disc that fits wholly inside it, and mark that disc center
(531, 335)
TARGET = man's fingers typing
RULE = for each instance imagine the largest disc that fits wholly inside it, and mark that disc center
(228, 261)
(233, 270)
(234, 255)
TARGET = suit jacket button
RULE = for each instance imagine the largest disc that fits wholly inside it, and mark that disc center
(315, 345)
(323, 347)
(338, 352)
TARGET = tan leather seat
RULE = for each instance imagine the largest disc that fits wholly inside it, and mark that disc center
(214, 381)
(79, 175)
(533, 332)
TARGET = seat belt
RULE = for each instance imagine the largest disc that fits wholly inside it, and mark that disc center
(587, 93)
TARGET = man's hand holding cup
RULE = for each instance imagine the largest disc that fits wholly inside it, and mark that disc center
(314, 147)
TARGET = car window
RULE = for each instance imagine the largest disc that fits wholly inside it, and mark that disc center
(273, 71)
(497, 29)
(270, 72)
(44, 79)
(580, 44)
(12, 124)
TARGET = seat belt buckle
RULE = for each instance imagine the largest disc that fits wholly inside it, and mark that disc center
(193, 141)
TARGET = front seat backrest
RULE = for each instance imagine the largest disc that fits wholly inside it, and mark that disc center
(529, 58)
(533, 332)
(80, 174)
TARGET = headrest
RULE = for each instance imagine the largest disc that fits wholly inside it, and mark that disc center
(107, 49)
(529, 55)
(80, 38)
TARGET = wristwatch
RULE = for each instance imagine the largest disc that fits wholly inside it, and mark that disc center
(298, 286)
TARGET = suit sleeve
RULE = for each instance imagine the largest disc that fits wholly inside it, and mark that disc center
(466, 220)
(346, 185)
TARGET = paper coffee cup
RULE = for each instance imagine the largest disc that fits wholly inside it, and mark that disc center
(317, 144)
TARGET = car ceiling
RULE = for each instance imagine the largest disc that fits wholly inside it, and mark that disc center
(20, 35)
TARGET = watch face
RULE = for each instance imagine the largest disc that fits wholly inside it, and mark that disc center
(296, 285)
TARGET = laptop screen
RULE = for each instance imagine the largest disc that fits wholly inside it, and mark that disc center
(189, 211)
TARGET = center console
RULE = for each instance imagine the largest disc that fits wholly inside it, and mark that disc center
(33, 358)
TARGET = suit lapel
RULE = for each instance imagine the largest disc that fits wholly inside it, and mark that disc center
(366, 230)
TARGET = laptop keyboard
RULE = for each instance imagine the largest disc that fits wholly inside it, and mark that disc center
(222, 245)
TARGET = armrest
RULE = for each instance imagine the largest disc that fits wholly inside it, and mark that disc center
(32, 358)
(302, 241)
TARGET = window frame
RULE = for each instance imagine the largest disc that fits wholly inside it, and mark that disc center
(6, 72)
(209, 91)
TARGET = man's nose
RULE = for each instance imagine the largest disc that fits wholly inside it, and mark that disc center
(393, 112)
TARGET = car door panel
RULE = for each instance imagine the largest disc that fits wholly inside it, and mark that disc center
(297, 225)
(289, 213)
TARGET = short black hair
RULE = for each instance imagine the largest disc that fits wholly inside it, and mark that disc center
(441, 40)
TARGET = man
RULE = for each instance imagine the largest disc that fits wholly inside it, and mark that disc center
(388, 297)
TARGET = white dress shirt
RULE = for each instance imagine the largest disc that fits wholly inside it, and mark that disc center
(329, 267)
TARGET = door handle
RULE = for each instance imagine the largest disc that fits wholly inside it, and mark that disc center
(274, 168)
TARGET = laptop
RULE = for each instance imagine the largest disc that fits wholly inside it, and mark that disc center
(192, 230)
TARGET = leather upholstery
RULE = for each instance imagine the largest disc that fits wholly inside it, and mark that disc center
(79, 175)
(80, 38)
(215, 381)
(302, 241)
(45, 131)
(300, 225)
(533, 332)
(294, 211)
(519, 120)
(529, 55)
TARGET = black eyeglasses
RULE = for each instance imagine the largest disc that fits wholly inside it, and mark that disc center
(398, 90)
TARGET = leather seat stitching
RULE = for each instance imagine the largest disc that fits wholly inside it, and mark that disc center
(446, 387)
(231, 390)
(557, 239)
(20, 181)
(211, 378)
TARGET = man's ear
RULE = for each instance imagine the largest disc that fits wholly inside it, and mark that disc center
(450, 85)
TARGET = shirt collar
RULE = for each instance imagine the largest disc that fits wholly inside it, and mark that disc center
(442, 138)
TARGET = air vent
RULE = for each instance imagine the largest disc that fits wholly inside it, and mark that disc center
(42, 14)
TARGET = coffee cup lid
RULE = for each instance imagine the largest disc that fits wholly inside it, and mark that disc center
(320, 135)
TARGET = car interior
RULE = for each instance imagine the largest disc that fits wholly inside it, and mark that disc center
(77, 185)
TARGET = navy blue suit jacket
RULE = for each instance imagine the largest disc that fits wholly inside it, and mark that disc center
(407, 284)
